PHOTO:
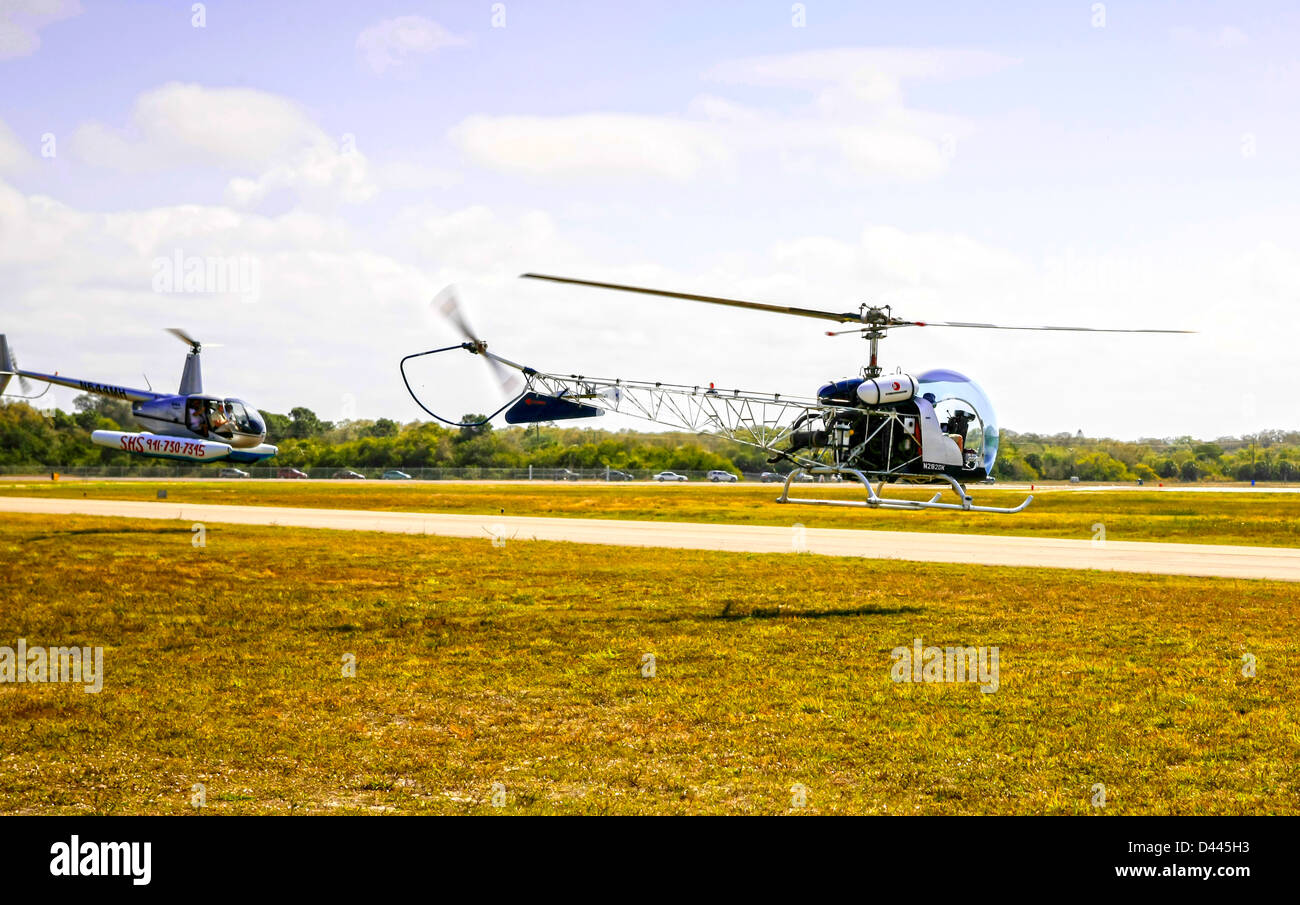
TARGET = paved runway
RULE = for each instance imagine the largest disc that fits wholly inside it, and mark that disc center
(1124, 556)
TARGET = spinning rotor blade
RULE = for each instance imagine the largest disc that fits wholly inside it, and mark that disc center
(23, 383)
(447, 303)
(183, 336)
(190, 341)
(876, 318)
(851, 316)
(902, 323)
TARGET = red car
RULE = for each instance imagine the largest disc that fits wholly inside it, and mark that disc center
(292, 473)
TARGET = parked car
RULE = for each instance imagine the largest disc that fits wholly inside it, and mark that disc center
(563, 474)
(718, 476)
(291, 473)
(232, 473)
(349, 474)
(670, 476)
(394, 475)
(618, 476)
(775, 477)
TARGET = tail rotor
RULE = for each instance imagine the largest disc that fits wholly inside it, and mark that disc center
(447, 304)
(9, 370)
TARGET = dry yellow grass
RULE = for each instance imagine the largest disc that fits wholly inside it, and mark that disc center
(522, 666)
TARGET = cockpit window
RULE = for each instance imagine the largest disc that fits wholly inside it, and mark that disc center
(244, 418)
(963, 411)
(219, 421)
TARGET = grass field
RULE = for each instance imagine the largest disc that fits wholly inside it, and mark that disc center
(1267, 519)
(522, 666)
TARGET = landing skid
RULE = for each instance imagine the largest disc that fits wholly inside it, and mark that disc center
(875, 501)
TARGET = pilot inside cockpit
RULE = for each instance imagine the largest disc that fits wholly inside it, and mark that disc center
(956, 426)
(218, 417)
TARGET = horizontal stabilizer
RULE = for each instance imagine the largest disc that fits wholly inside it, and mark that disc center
(534, 407)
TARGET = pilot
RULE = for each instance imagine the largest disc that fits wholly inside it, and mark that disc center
(217, 417)
(957, 424)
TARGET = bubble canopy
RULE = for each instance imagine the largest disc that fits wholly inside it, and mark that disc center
(952, 392)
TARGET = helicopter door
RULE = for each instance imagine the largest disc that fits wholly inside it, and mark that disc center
(937, 448)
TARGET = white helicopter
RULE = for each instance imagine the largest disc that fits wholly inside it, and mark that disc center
(189, 424)
(934, 427)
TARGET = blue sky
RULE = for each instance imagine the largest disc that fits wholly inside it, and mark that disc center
(1099, 164)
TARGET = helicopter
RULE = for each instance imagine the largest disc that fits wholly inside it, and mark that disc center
(938, 426)
(189, 424)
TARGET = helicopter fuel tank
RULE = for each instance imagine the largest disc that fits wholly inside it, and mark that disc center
(887, 389)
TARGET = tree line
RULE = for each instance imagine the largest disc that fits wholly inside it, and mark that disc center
(54, 438)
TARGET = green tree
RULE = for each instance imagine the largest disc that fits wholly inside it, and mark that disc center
(384, 427)
(306, 424)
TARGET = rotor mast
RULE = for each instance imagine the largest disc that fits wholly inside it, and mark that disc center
(877, 321)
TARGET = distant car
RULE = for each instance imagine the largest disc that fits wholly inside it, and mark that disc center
(670, 476)
(618, 476)
(775, 477)
(232, 473)
(718, 476)
(563, 474)
(1074, 479)
(292, 473)
(349, 474)
(395, 475)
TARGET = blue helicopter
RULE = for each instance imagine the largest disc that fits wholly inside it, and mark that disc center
(188, 425)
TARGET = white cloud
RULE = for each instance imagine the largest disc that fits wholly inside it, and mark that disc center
(22, 20)
(179, 124)
(389, 43)
(592, 144)
(871, 74)
(317, 171)
(855, 121)
(886, 258)
(1225, 37)
(267, 139)
(13, 156)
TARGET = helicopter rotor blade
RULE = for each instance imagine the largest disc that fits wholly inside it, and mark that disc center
(1059, 329)
(183, 336)
(447, 303)
(902, 323)
(845, 317)
(874, 317)
(23, 383)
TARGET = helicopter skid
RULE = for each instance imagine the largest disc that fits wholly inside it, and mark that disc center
(876, 501)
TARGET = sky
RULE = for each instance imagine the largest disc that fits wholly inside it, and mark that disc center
(328, 167)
